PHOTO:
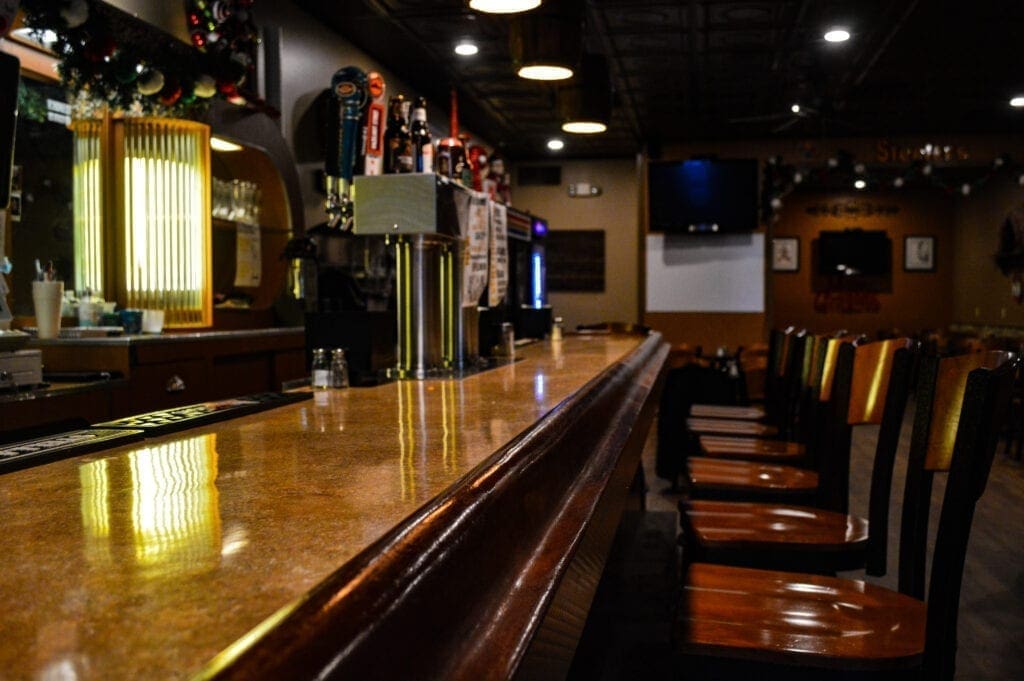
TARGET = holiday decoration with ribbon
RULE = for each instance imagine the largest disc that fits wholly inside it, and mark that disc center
(843, 171)
(109, 63)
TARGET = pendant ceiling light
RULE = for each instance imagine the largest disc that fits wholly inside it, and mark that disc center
(585, 105)
(547, 44)
(503, 6)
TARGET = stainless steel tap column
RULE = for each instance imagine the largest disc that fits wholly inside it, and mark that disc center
(437, 336)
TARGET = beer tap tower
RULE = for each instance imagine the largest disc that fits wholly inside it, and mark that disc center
(429, 331)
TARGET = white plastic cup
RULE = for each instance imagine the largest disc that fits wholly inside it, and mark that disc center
(152, 321)
(47, 297)
(88, 313)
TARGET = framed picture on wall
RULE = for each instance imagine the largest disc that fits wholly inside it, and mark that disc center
(919, 253)
(785, 254)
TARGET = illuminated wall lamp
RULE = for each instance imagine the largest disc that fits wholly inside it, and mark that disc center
(141, 193)
(585, 106)
(546, 45)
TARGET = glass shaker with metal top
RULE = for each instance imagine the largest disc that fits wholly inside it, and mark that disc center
(339, 369)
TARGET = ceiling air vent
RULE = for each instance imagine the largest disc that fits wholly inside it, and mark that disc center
(540, 176)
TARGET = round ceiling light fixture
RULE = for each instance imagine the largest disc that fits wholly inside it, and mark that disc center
(466, 48)
(795, 108)
(547, 44)
(584, 127)
(1017, 102)
(837, 35)
(860, 184)
(503, 6)
(585, 105)
(555, 144)
(545, 72)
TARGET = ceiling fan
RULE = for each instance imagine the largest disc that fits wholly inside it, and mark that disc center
(796, 114)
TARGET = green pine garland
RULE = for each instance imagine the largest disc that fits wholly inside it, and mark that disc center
(109, 62)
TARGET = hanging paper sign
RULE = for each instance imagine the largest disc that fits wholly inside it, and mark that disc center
(499, 255)
(475, 250)
(248, 258)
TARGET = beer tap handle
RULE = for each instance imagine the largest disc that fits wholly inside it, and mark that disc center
(349, 90)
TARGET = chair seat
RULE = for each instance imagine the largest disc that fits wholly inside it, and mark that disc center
(731, 427)
(794, 619)
(749, 448)
(740, 476)
(723, 411)
(752, 526)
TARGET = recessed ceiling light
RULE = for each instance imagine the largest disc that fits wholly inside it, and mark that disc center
(837, 35)
(556, 144)
(584, 127)
(860, 184)
(795, 108)
(503, 6)
(466, 48)
(1017, 102)
(545, 72)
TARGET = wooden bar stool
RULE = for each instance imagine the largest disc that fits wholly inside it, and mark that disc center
(780, 412)
(776, 366)
(740, 623)
(788, 537)
(819, 359)
(859, 395)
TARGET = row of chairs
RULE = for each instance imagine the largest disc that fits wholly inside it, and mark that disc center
(765, 523)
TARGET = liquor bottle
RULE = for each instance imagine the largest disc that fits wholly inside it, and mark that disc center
(421, 137)
(451, 154)
(398, 149)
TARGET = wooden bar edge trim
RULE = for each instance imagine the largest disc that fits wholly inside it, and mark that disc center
(458, 588)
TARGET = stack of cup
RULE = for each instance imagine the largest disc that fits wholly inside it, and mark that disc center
(47, 297)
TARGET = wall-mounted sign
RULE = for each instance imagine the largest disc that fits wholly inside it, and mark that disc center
(847, 302)
(891, 152)
(851, 209)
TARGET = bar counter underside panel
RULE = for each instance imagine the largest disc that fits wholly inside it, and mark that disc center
(415, 525)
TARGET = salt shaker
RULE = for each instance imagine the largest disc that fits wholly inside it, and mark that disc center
(339, 369)
(556, 329)
(508, 340)
(321, 370)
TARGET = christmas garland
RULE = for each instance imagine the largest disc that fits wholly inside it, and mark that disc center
(111, 63)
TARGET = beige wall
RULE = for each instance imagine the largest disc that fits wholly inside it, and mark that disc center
(981, 293)
(617, 212)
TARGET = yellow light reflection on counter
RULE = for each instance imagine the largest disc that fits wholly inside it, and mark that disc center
(175, 509)
(158, 507)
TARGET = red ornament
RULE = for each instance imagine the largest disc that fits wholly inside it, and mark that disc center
(227, 88)
(170, 97)
(99, 48)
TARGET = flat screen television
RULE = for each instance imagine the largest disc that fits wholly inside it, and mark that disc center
(853, 260)
(703, 196)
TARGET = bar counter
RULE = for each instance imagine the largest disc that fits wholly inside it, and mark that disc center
(431, 529)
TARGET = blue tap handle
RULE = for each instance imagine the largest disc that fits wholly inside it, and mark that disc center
(350, 94)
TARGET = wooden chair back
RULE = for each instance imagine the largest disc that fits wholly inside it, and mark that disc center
(961, 404)
(780, 353)
(870, 386)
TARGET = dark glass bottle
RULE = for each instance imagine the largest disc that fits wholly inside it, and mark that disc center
(399, 156)
(451, 154)
(421, 137)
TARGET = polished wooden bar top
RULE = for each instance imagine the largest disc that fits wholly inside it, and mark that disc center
(147, 560)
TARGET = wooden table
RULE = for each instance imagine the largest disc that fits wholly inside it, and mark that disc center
(432, 529)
